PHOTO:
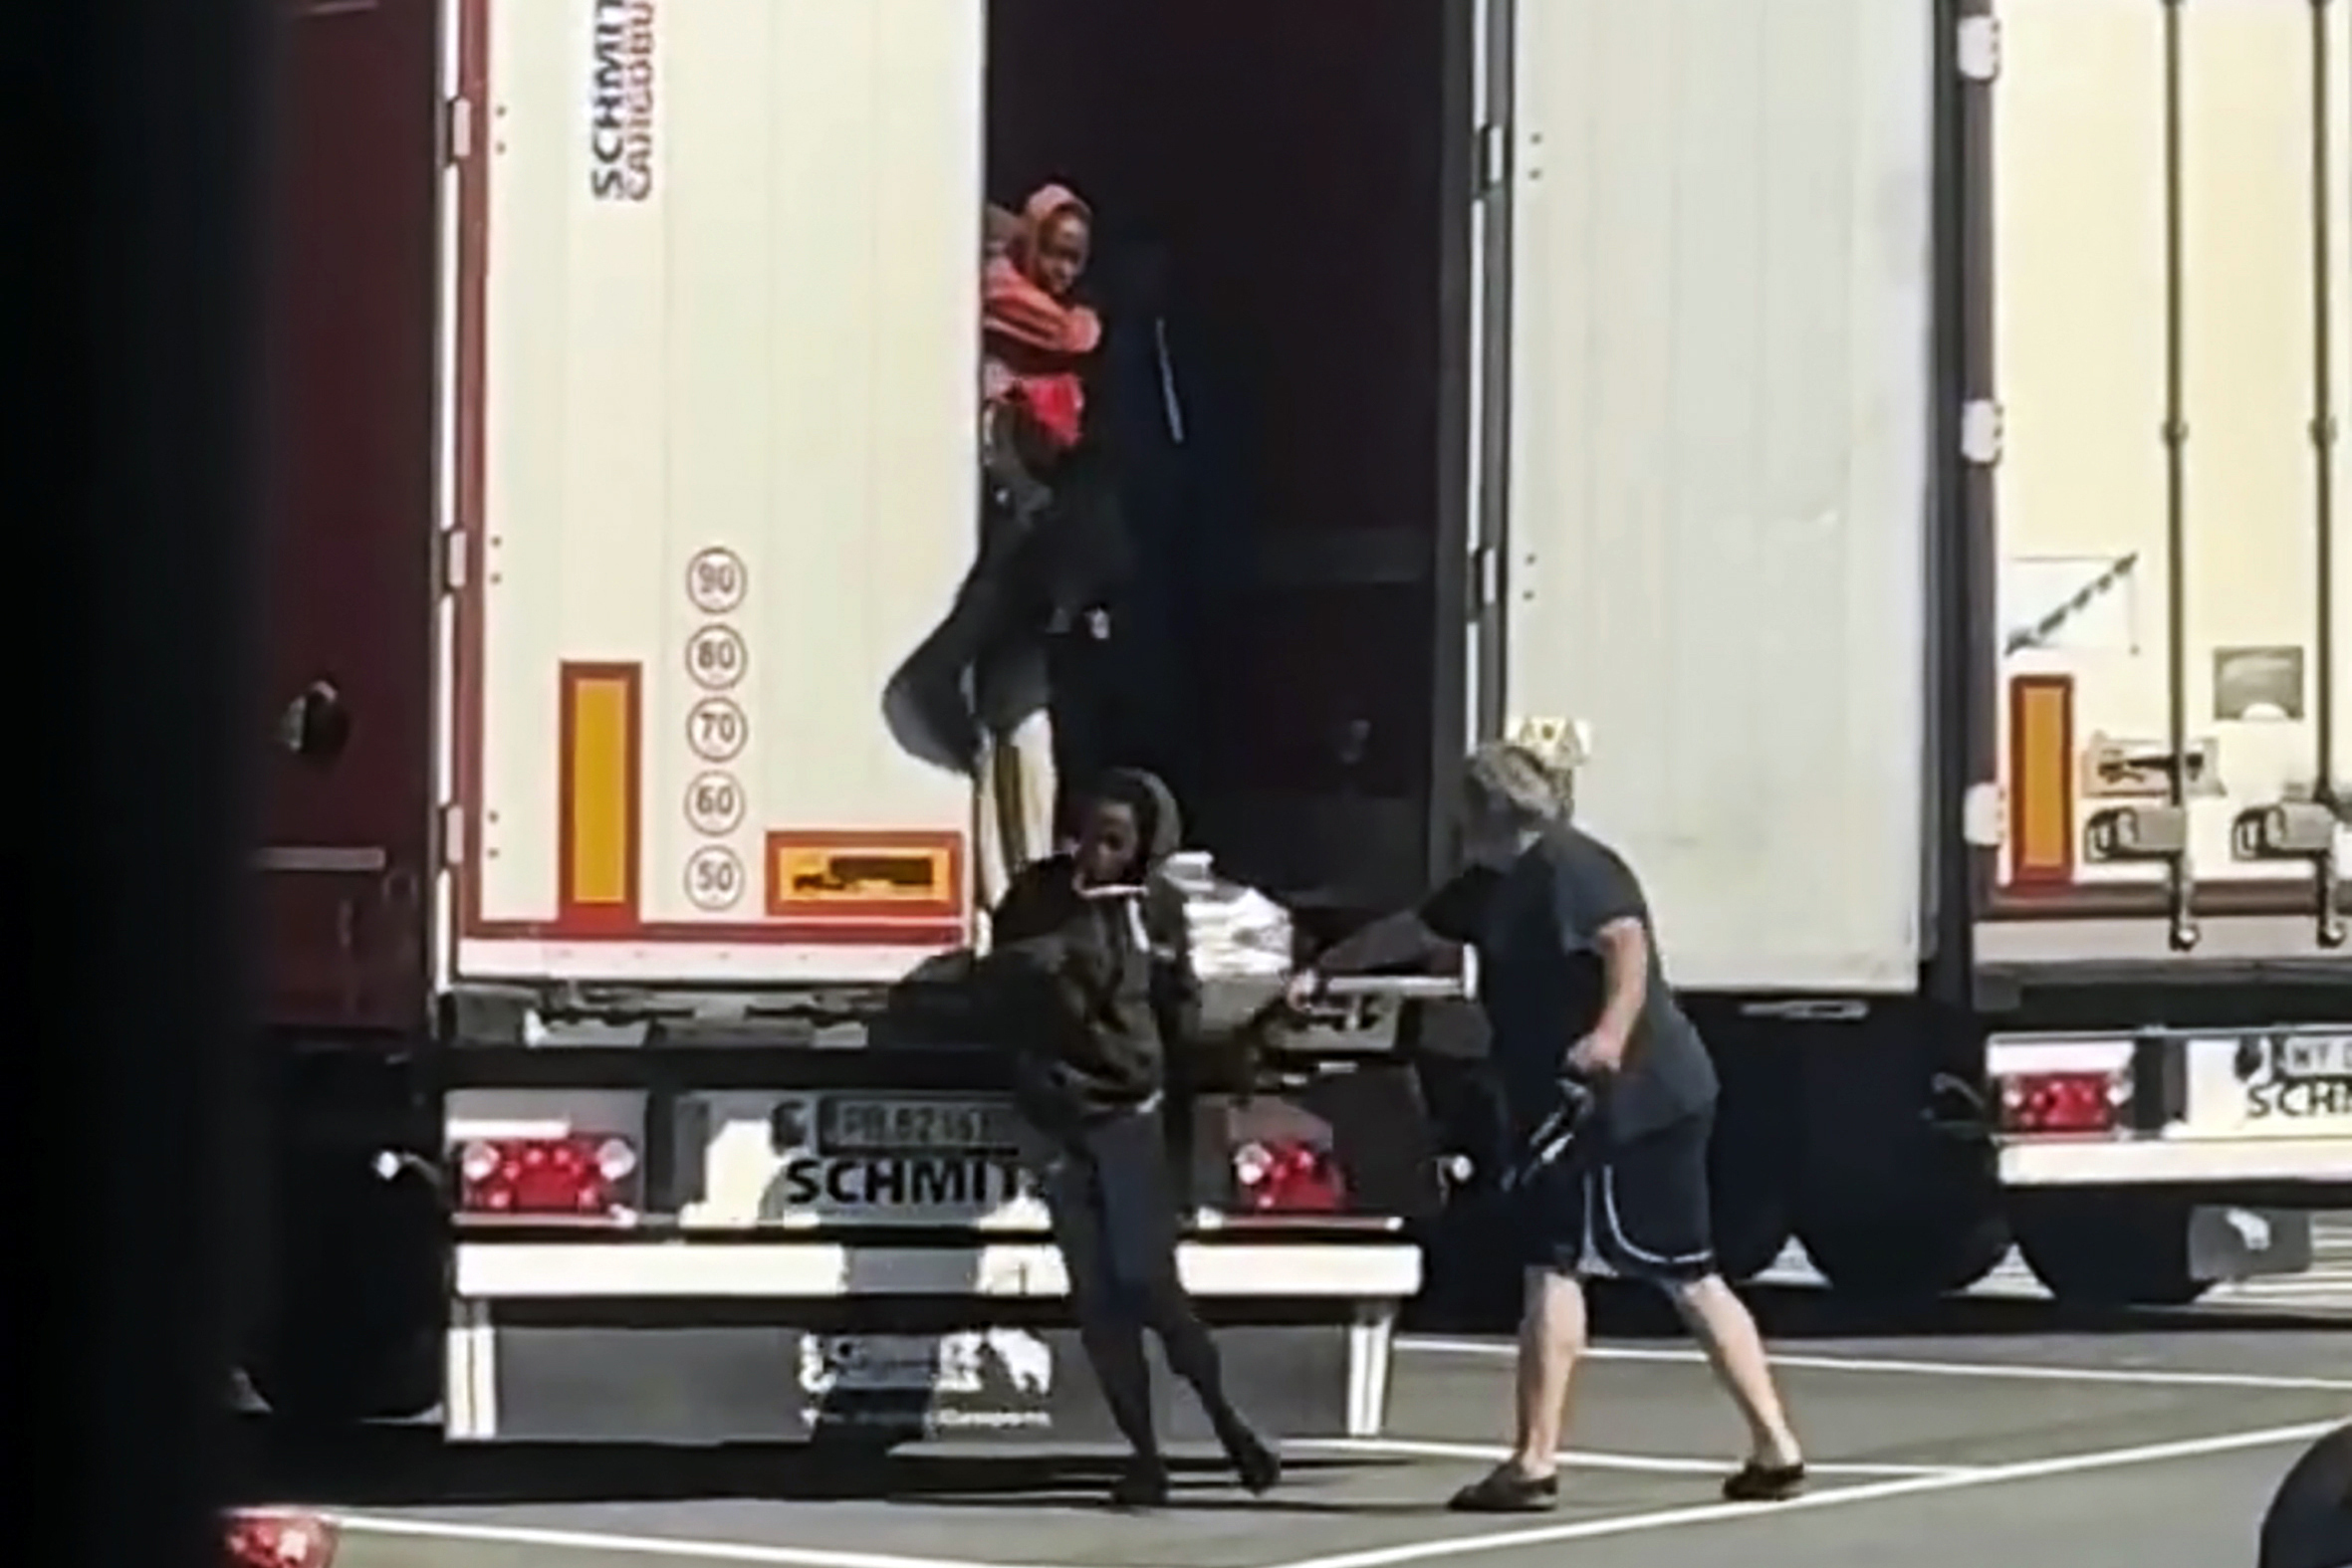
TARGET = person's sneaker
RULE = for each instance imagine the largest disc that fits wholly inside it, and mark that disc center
(1508, 1490)
(1756, 1481)
(1259, 1466)
(1252, 1456)
(1142, 1484)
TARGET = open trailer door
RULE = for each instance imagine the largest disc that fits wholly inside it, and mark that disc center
(347, 656)
(1720, 402)
(2169, 191)
(714, 467)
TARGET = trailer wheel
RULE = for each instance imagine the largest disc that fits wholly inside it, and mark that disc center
(1902, 1256)
(334, 1384)
(357, 1329)
(1751, 1231)
(2112, 1254)
(1751, 1173)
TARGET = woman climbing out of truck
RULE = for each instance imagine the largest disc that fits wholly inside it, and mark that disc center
(1092, 988)
(978, 694)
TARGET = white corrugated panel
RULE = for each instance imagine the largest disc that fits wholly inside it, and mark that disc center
(732, 253)
(2081, 350)
(1720, 424)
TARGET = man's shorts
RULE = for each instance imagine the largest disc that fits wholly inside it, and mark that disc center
(1642, 1203)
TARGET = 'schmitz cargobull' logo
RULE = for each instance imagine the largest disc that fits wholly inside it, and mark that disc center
(621, 101)
(2294, 1077)
(992, 1379)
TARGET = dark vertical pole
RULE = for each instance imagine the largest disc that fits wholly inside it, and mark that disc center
(2323, 464)
(1964, 585)
(2181, 876)
(143, 382)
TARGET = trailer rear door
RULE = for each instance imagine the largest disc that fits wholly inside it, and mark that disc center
(1720, 406)
(2169, 191)
(348, 656)
(717, 415)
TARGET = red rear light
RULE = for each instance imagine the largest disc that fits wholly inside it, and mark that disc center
(2064, 1102)
(279, 1540)
(582, 1175)
(1280, 1176)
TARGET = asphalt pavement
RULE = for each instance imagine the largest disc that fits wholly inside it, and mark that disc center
(1995, 1429)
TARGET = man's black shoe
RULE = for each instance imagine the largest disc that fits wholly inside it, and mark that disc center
(1508, 1490)
(1142, 1484)
(1756, 1482)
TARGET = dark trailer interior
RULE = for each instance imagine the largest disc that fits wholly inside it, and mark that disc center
(1302, 191)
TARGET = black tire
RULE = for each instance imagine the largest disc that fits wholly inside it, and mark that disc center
(323, 1385)
(2122, 1253)
(357, 1330)
(1897, 1256)
(1472, 1278)
(1750, 1175)
(1751, 1231)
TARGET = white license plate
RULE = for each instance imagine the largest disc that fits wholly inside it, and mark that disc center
(812, 1158)
(2296, 1084)
(2312, 1055)
(857, 1124)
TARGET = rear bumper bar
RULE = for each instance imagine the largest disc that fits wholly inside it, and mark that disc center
(2323, 1164)
(622, 1270)
(709, 1342)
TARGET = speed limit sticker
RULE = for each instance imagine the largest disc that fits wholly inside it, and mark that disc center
(714, 804)
(716, 657)
(717, 729)
(714, 878)
(715, 581)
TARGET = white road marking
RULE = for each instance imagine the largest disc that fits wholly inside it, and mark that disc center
(640, 1545)
(1578, 1458)
(2129, 1377)
(1840, 1497)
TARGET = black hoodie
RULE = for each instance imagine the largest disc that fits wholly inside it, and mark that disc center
(1091, 987)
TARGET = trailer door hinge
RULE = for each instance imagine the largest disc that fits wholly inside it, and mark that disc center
(1486, 579)
(453, 560)
(453, 836)
(1979, 431)
(1491, 153)
(1977, 51)
(1984, 813)
(457, 129)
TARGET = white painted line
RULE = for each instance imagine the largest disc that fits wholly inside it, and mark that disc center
(1837, 1497)
(2128, 1377)
(1584, 1459)
(640, 1545)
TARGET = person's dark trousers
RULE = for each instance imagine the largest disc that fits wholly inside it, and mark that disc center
(1114, 1219)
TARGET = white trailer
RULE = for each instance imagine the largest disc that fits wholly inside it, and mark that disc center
(1892, 442)
(1923, 454)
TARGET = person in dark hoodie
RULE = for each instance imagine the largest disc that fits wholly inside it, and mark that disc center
(1095, 986)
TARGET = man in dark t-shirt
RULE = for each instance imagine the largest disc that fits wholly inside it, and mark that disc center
(1575, 996)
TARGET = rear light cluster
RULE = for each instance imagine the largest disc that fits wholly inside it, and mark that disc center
(1281, 1176)
(278, 1540)
(2065, 1102)
(579, 1175)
